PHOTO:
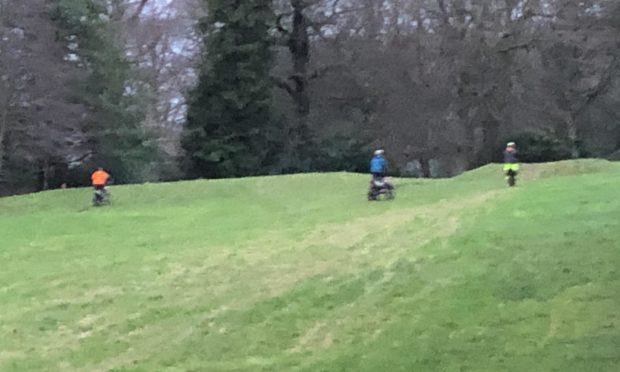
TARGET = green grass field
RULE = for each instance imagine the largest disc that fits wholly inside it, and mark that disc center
(301, 273)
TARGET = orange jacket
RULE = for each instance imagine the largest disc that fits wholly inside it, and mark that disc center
(100, 178)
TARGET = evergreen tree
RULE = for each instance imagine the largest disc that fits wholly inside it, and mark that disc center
(115, 132)
(230, 130)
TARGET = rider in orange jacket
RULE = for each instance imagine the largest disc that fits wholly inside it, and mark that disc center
(99, 179)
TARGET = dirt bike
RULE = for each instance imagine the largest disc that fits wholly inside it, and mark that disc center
(381, 186)
(101, 197)
(511, 178)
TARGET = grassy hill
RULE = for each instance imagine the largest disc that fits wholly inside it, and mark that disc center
(300, 273)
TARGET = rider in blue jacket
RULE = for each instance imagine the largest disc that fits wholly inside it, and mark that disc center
(378, 165)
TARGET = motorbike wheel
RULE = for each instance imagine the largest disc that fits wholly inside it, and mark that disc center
(99, 199)
(512, 180)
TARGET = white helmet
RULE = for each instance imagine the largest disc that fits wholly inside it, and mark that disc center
(511, 144)
(379, 152)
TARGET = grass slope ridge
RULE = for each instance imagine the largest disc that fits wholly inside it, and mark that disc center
(300, 273)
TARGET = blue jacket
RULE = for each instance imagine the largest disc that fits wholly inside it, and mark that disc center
(378, 164)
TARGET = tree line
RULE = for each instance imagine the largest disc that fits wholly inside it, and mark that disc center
(216, 88)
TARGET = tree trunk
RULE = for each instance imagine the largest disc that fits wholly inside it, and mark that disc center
(571, 132)
(490, 135)
(425, 167)
(298, 43)
(299, 46)
(44, 176)
(4, 97)
(4, 110)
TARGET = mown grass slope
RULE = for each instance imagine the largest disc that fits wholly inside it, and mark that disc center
(300, 273)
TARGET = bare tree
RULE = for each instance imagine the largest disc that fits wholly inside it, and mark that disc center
(446, 81)
(40, 123)
(160, 39)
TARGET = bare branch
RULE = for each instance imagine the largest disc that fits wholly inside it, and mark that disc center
(140, 8)
(283, 85)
